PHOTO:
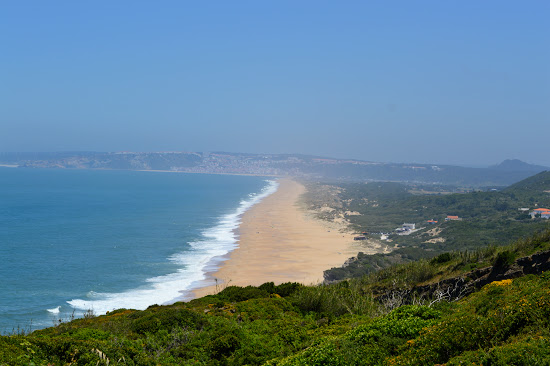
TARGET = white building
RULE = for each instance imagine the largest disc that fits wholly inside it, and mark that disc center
(543, 212)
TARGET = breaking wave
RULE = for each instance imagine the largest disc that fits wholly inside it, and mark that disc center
(203, 257)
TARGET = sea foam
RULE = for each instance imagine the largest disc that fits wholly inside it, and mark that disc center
(54, 310)
(215, 243)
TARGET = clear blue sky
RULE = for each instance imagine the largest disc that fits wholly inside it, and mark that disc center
(460, 82)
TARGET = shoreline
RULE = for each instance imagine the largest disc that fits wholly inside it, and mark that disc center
(213, 173)
(149, 170)
(279, 241)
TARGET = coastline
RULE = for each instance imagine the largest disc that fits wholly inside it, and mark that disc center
(213, 173)
(279, 242)
(149, 170)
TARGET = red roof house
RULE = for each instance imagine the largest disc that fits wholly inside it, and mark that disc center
(452, 218)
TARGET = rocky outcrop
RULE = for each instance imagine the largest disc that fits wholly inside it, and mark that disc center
(457, 287)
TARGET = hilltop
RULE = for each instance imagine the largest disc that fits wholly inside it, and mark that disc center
(515, 165)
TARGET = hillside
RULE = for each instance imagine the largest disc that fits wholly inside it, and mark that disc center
(485, 218)
(538, 184)
(366, 321)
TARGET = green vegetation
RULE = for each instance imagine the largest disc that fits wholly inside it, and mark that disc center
(471, 297)
(372, 320)
(487, 218)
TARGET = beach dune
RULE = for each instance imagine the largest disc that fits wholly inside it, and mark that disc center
(279, 242)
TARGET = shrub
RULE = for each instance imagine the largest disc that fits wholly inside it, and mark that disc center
(165, 318)
(529, 351)
(500, 313)
(283, 290)
(287, 288)
(371, 343)
(335, 300)
(236, 293)
(87, 333)
(442, 258)
(504, 259)
(404, 322)
(223, 344)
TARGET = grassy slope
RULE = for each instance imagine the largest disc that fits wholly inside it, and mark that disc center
(342, 324)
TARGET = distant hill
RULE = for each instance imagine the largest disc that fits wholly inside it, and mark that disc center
(515, 165)
(296, 165)
(537, 183)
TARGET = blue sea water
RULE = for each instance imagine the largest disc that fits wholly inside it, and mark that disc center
(79, 240)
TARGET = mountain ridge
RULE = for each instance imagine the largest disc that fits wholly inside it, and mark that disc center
(518, 165)
(296, 165)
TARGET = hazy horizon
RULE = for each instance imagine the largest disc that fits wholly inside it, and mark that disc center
(426, 82)
(260, 153)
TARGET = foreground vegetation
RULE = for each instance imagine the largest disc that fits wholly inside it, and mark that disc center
(372, 320)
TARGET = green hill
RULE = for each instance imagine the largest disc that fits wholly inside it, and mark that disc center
(537, 184)
(486, 218)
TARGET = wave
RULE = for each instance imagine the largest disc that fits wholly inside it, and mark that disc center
(54, 310)
(204, 256)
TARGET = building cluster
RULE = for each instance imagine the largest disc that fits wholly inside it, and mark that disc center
(236, 164)
(407, 229)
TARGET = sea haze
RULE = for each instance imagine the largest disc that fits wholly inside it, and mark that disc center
(75, 240)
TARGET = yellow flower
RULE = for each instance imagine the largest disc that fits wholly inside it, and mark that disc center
(502, 283)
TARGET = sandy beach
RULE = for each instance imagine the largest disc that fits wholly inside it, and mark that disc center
(280, 242)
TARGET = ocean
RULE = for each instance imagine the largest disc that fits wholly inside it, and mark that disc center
(73, 241)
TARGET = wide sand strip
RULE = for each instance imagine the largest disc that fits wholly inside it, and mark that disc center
(281, 242)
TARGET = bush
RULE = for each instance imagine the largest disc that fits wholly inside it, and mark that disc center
(404, 322)
(504, 259)
(371, 343)
(529, 351)
(167, 318)
(236, 293)
(442, 258)
(335, 300)
(223, 344)
(283, 290)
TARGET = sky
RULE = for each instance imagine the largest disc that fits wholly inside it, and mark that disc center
(447, 82)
